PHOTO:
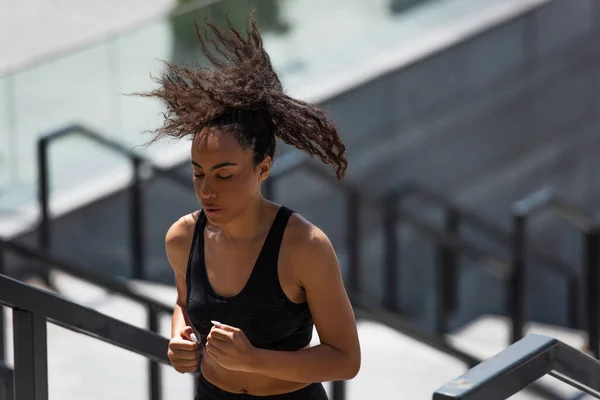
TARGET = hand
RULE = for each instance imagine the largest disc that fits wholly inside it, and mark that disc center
(183, 352)
(230, 348)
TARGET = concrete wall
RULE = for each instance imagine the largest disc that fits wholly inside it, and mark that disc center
(485, 122)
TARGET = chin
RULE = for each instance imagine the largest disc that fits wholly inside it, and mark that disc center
(217, 218)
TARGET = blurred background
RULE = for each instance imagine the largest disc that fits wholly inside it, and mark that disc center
(468, 215)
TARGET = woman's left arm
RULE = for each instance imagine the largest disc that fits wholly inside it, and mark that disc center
(337, 357)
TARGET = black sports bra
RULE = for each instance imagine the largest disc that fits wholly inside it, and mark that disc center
(261, 310)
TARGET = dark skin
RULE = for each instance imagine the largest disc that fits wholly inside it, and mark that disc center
(227, 181)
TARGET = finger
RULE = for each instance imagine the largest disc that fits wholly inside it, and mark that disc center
(186, 333)
(220, 334)
(227, 328)
(186, 355)
(185, 364)
(218, 344)
(183, 345)
(184, 370)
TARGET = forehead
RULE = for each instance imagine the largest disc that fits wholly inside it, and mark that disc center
(212, 143)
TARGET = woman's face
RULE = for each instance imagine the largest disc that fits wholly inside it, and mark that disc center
(226, 180)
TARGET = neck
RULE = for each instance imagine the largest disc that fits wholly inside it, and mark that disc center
(248, 224)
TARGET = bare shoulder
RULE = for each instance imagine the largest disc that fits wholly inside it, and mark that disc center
(178, 241)
(307, 247)
(302, 233)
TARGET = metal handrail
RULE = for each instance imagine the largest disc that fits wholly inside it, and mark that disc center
(368, 309)
(6, 382)
(417, 189)
(516, 289)
(449, 244)
(32, 308)
(519, 366)
(114, 285)
(136, 210)
(526, 208)
(296, 161)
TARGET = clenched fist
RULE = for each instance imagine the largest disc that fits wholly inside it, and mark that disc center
(183, 352)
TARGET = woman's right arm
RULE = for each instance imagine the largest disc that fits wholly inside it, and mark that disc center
(183, 352)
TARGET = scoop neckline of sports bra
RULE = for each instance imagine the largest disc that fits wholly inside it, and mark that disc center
(252, 273)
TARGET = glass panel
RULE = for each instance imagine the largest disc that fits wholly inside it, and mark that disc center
(89, 86)
(71, 89)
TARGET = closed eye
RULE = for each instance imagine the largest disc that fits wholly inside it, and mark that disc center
(223, 178)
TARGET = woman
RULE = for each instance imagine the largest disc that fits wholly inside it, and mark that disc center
(252, 276)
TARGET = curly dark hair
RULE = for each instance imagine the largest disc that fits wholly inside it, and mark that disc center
(243, 95)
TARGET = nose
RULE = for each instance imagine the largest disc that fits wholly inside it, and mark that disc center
(207, 191)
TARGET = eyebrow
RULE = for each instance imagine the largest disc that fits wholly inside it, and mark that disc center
(216, 166)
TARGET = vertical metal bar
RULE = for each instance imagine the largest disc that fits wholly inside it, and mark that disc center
(154, 378)
(573, 302)
(338, 390)
(353, 242)
(44, 228)
(591, 264)
(2, 327)
(136, 223)
(31, 356)
(452, 228)
(440, 278)
(516, 284)
(446, 275)
(44, 236)
(391, 273)
(9, 389)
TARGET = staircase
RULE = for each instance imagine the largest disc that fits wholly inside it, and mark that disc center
(412, 250)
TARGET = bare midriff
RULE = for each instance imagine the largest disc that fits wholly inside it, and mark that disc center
(246, 382)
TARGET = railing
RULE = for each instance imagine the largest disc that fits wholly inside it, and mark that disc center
(448, 243)
(370, 310)
(455, 216)
(113, 285)
(521, 364)
(589, 226)
(136, 205)
(33, 308)
(6, 382)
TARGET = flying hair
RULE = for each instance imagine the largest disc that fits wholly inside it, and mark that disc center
(242, 94)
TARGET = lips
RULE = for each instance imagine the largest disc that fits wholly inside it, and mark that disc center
(212, 210)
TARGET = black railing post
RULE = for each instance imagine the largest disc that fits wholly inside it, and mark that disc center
(2, 328)
(31, 356)
(446, 275)
(353, 242)
(44, 236)
(338, 391)
(516, 283)
(591, 265)
(573, 302)
(452, 228)
(391, 292)
(154, 378)
(136, 223)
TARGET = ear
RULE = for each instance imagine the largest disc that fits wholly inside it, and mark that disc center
(264, 168)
